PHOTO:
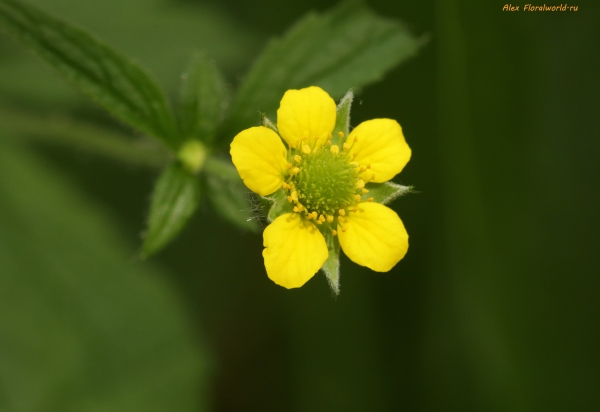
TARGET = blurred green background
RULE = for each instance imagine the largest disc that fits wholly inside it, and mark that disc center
(494, 308)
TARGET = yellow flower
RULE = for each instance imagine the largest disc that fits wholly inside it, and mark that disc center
(324, 179)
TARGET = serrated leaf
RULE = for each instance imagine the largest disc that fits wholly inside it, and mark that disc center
(204, 98)
(342, 117)
(114, 82)
(228, 195)
(384, 193)
(174, 200)
(331, 267)
(347, 47)
(278, 205)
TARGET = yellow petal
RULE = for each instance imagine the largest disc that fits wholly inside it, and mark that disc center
(306, 113)
(259, 156)
(380, 143)
(375, 237)
(294, 250)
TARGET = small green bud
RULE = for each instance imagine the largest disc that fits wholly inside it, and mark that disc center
(192, 155)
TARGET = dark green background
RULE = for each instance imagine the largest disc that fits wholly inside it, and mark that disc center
(494, 308)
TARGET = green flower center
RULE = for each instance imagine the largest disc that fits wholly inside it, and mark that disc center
(326, 182)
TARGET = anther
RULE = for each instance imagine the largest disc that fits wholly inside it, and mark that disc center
(369, 166)
(297, 159)
(373, 177)
(340, 219)
(360, 184)
(289, 199)
(356, 139)
(370, 199)
(329, 218)
(329, 136)
(305, 149)
(357, 198)
(347, 146)
(335, 149)
(344, 229)
(341, 134)
(362, 169)
(342, 212)
(295, 170)
(286, 186)
(322, 218)
(329, 142)
(297, 209)
(355, 210)
(288, 166)
(334, 232)
(365, 190)
(294, 196)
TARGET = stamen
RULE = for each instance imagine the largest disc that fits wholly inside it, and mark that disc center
(370, 199)
(297, 159)
(373, 177)
(341, 134)
(288, 166)
(347, 146)
(360, 184)
(289, 199)
(294, 196)
(295, 171)
(344, 229)
(369, 166)
(305, 149)
(329, 218)
(365, 190)
(342, 212)
(286, 186)
(335, 149)
(357, 197)
(334, 232)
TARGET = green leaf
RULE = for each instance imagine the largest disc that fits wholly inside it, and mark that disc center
(83, 328)
(278, 205)
(114, 82)
(347, 47)
(174, 201)
(204, 98)
(384, 193)
(331, 267)
(228, 195)
(342, 118)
